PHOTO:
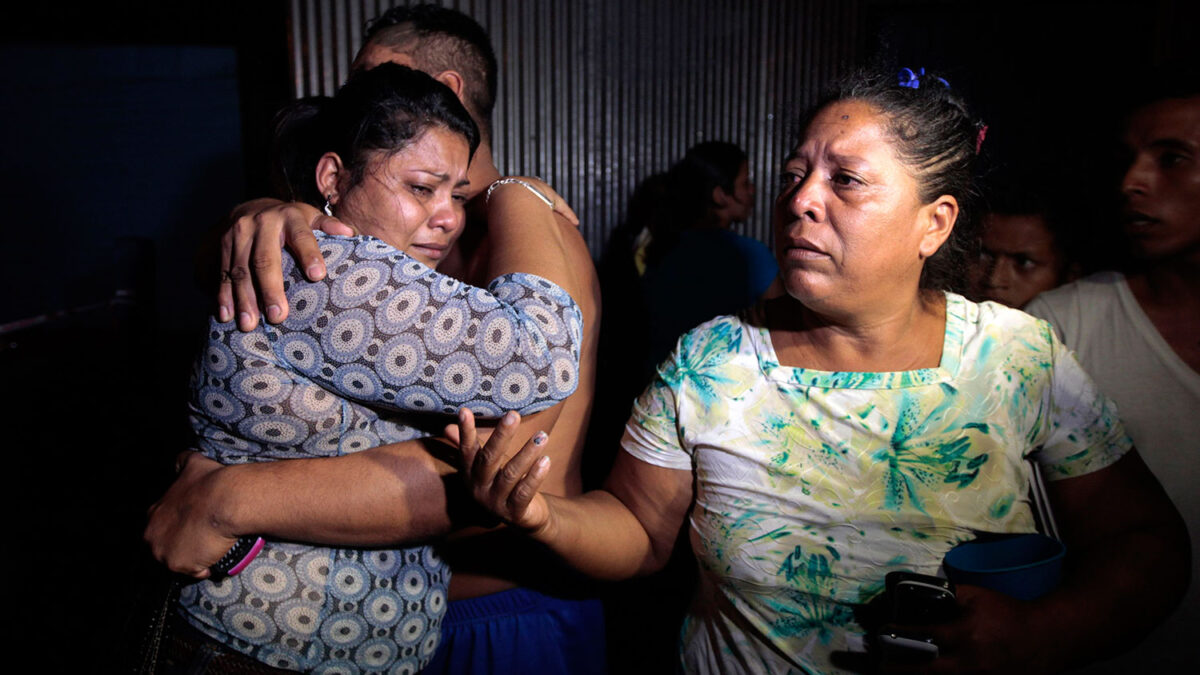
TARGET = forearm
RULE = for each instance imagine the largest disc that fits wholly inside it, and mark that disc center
(383, 496)
(1128, 561)
(628, 529)
(596, 534)
(1116, 590)
(526, 236)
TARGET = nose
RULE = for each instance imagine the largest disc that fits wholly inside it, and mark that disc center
(999, 274)
(446, 214)
(805, 200)
(1138, 177)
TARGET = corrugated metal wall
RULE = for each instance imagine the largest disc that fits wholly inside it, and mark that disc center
(595, 95)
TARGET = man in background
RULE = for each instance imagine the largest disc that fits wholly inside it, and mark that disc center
(1138, 332)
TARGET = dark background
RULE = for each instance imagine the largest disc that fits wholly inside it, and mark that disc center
(129, 129)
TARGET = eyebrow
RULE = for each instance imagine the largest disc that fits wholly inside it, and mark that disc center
(848, 160)
(1172, 144)
(845, 160)
(440, 176)
(443, 177)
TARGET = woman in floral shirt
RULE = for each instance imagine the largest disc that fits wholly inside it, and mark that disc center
(866, 421)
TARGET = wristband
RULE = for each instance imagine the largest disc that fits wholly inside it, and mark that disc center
(529, 186)
(237, 558)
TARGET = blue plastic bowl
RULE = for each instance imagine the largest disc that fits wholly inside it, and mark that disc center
(1025, 566)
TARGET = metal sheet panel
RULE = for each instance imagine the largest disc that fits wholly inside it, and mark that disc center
(596, 95)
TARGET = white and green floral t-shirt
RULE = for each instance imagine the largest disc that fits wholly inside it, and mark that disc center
(811, 486)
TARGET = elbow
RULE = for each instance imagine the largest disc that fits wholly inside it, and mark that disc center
(559, 384)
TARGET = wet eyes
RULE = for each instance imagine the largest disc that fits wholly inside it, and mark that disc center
(420, 190)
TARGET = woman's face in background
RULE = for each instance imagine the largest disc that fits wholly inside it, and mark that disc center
(413, 199)
(849, 220)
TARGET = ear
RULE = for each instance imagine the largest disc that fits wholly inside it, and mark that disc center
(938, 218)
(329, 171)
(720, 197)
(452, 79)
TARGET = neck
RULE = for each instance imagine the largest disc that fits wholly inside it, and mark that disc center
(718, 220)
(904, 337)
(1167, 282)
(483, 171)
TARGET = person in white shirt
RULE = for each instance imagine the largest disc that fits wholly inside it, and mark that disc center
(1137, 333)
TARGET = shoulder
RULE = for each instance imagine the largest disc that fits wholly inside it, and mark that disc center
(1076, 308)
(1001, 320)
(994, 334)
(1094, 288)
(711, 343)
(342, 253)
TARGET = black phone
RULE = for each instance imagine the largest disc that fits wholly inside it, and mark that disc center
(917, 599)
(913, 600)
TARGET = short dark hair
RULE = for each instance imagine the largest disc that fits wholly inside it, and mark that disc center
(1170, 80)
(439, 39)
(380, 110)
(687, 199)
(718, 161)
(936, 136)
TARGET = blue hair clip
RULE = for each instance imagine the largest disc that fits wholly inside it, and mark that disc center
(912, 80)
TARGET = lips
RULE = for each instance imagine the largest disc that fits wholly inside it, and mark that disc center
(432, 251)
(799, 248)
(1137, 221)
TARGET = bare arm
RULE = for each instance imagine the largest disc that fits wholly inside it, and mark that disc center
(389, 495)
(251, 255)
(1128, 565)
(628, 529)
(379, 496)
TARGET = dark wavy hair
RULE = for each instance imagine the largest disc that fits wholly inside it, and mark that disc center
(380, 110)
(936, 136)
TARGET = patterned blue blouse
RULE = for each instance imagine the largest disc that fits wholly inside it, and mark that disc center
(380, 338)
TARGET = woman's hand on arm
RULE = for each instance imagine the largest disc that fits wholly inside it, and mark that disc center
(626, 530)
(183, 532)
(251, 256)
(378, 497)
(1127, 566)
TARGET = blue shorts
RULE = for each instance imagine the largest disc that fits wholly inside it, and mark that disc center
(520, 631)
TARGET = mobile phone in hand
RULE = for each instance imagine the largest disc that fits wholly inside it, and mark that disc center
(913, 600)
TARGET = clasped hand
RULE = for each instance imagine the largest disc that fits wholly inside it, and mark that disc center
(183, 532)
(993, 633)
(505, 484)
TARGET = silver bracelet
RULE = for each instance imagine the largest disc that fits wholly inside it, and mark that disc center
(518, 181)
